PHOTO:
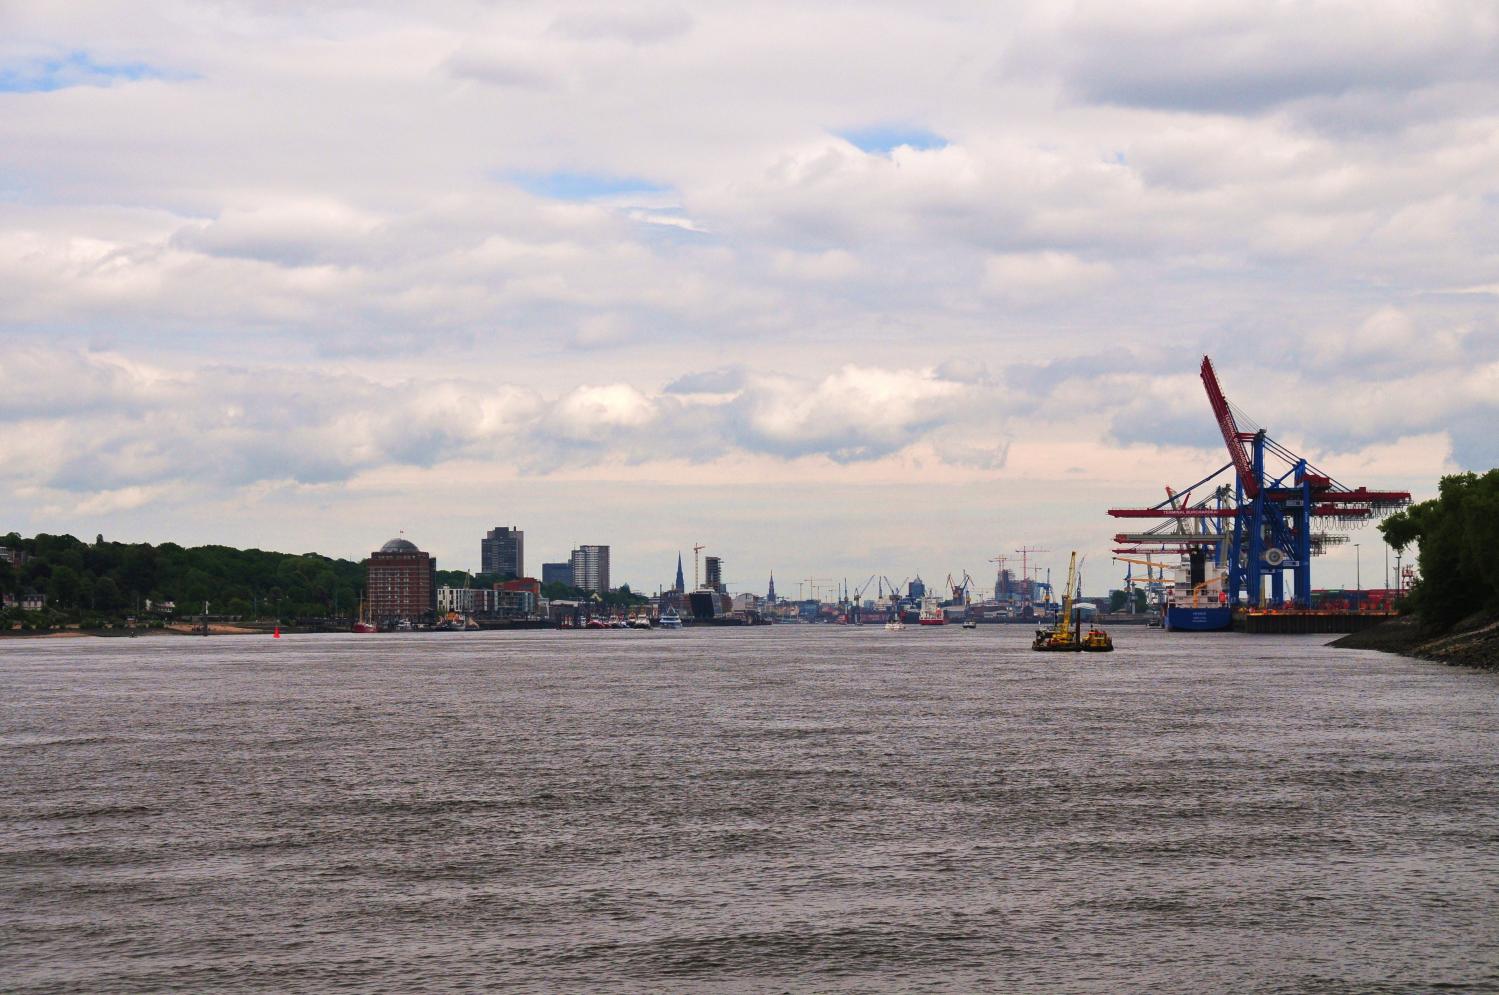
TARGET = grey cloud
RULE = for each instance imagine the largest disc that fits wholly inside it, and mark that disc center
(1229, 59)
(638, 25)
(726, 379)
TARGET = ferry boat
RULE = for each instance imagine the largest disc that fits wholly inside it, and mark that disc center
(670, 619)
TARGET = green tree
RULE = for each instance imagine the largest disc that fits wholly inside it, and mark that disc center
(1457, 534)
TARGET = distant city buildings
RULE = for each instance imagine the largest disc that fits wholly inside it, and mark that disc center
(400, 583)
(502, 552)
(590, 567)
(713, 570)
(557, 573)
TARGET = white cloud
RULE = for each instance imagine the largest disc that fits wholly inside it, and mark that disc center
(1032, 277)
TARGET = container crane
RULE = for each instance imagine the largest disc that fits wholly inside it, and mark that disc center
(1267, 523)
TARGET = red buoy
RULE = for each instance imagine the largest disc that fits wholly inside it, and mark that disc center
(277, 633)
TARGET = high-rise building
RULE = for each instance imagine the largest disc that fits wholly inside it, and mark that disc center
(590, 566)
(400, 584)
(502, 552)
(713, 567)
(557, 573)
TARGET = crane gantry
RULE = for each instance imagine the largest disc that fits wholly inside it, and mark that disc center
(1268, 522)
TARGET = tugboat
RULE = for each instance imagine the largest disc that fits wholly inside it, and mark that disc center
(1097, 641)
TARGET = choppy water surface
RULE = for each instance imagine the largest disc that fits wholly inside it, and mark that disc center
(789, 809)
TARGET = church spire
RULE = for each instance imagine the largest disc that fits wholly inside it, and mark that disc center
(681, 583)
(771, 594)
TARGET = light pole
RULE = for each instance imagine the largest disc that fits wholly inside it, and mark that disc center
(1358, 578)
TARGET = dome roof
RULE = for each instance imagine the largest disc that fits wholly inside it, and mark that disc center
(399, 546)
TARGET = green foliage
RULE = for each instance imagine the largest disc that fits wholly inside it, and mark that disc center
(1458, 536)
(109, 580)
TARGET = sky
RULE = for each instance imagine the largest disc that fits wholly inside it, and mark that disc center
(830, 289)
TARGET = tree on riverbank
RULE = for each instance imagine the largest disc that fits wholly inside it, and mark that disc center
(109, 580)
(1457, 534)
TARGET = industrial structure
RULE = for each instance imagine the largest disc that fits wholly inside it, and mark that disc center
(1259, 527)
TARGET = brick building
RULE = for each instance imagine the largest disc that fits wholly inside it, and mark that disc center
(401, 584)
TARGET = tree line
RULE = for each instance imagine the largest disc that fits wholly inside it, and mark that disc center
(102, 581)
(1457, 535)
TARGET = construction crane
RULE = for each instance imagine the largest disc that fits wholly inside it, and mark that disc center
(812, 583)
(1001, 585)
(1025, 570)
(696, 549)
(1062, 635)
(1269, 522)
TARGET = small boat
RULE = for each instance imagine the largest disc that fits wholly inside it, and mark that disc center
(596, 623)
(895, 625)
(640, 622)
(969, 623)
(363, 623)
(670, 619)
(1097, 641)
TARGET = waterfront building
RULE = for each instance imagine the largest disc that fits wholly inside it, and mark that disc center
(400, 583)
(590, 565)
(502, 552)
(466, 600)
(530, 585)
(747, 602)
(557, 573)
(713, 569)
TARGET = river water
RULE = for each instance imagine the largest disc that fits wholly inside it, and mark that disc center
(800, 808)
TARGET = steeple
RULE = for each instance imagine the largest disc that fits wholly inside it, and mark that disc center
(771, 594)
(681, 583)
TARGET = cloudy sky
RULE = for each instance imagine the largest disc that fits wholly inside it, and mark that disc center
(831, 289)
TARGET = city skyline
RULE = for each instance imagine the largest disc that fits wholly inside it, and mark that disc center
(695, 273)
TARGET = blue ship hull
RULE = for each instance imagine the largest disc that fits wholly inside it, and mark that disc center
(1209, 618)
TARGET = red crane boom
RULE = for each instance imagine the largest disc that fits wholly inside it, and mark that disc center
(1232, 437)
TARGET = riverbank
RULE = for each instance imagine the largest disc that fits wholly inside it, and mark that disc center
(1472, 643)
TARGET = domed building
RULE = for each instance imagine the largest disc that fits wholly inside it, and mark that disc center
(401, 585)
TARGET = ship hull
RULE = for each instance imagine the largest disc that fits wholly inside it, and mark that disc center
(1210, 618)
